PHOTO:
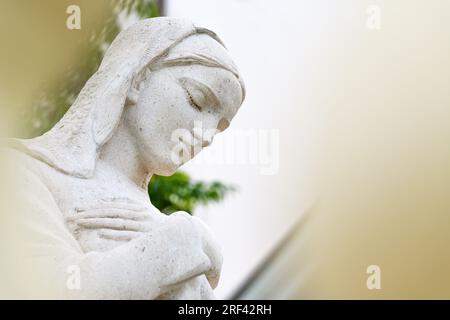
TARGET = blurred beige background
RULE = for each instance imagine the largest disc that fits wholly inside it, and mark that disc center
(362, 117)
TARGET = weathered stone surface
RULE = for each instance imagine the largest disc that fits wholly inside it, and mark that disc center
(136, 116)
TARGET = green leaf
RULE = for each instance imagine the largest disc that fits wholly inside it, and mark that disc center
(179, 193)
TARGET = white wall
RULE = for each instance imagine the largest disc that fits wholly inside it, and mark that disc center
(277, 47)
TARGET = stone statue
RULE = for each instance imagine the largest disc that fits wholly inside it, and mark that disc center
(89, 173)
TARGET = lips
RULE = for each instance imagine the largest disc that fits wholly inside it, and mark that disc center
(193, 143)
(200, 138)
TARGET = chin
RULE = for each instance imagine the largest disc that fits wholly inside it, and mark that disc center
(159, 164)
(167, 169)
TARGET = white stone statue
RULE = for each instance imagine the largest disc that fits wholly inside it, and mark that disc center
(87, 177)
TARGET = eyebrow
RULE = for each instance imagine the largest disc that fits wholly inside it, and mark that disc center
(198, 58)
(202, 86)
(205, 60)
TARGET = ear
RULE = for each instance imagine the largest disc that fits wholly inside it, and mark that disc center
(109, 108)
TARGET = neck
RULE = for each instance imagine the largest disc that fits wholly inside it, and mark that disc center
(122, 154)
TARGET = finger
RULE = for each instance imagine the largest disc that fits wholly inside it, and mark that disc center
(213, 277)
(116, 205)
(118, 235)
(108, 223)
(111, 213)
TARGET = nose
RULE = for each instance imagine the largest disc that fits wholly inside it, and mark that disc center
(206, 143)
(208, 137)
(223, 124)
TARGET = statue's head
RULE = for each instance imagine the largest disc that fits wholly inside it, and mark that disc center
(179, 102)
(169, 82)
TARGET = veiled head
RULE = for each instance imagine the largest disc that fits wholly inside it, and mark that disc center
(163, 78)
(181, 101)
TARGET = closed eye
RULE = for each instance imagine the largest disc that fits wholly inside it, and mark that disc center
(192, 101)
(199, 95)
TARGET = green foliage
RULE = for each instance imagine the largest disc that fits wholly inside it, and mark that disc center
(179, 193)
(144, 8)
(56, 100)
(168, 194)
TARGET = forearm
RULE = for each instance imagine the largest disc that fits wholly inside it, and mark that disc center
(144, 268)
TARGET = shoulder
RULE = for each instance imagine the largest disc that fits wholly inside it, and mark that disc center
(17, 165)
(29, 200)
(24, 178)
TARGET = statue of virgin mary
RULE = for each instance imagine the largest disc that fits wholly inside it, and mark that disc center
(89, 230)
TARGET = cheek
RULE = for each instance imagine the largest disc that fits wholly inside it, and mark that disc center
(163, 98)
(163, 108)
